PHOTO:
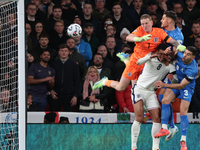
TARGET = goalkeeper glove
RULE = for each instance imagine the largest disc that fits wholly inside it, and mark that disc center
(143, 38)
(181, 48)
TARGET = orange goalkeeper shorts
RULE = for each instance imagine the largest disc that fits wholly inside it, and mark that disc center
(132, 70)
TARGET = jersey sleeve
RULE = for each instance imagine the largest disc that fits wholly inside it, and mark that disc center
(164, 36)
(138, 31)
(144, 59)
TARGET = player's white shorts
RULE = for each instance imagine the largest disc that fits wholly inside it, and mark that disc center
(148, 96)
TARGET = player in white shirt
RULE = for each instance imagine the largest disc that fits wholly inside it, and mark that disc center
(155, 69)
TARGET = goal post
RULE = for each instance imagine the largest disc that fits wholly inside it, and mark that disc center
(12, 75)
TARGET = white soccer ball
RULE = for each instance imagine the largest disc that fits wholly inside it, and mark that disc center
(74, 30)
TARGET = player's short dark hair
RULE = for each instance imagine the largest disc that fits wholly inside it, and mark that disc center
(162, 46)
(192, 49)
(171, 14)
(63, 46)
(145, 16)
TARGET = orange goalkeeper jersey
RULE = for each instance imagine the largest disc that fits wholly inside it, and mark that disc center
(143, 48)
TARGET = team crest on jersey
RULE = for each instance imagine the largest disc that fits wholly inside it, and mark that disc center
(155, 39)
(182, 69)
(129, 74)
(49, 72)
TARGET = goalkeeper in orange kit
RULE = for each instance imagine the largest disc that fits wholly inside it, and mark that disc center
(146, 39)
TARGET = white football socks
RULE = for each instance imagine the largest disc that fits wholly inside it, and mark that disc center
(155, 129)
(135, 130)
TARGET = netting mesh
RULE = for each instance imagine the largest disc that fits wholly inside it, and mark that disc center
(8, 75)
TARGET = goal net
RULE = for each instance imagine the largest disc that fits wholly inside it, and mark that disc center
(11, 60)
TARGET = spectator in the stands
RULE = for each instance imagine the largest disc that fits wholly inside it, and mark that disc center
(93, 101)
(127, 5)
(44, 45)
(76, 57)
(30, 104)
(67, 82)
(59, 37)
(40, 79)
(153, 10)
(191, 11)
(56, 15)
(178, 8)
(100, 11)
(195, 32)
(29, 40)
(197, 45)
(44, 6)
(87, 17)
(30, 17)
(89, 36)
(64, 120)
(107, 62)
(11, 22)
(155, 21)
(77, 20)
(39, 29)
(6, 104)
(186, 30)
(135, 14)
(32, 58)
(83, 48)
(49, 118)
(40, 13)
(112, 49)
(69, 10)
(123, 34)
(120, 20)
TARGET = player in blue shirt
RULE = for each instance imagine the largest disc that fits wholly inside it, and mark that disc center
(168, 25)
(186, 70)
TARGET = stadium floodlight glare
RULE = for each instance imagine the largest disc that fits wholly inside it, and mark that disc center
(12, 75)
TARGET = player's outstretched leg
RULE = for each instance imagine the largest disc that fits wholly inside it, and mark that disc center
(184, 126)
(123, 57)
(135, 130)
(100, 83)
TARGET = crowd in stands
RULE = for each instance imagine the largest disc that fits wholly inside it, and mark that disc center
(62, 69)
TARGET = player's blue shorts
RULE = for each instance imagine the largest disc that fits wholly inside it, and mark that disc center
(183, 94)
(167, 81)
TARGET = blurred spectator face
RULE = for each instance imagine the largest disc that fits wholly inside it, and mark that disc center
(102, 50)
(110, 43)
(39, 28)
(146, 25)
(154, 18)
(137, 4)
(10, 19)
(5, 96)
(78, 21)
(124, 35)
(93, 73)
(196, 28)
(30, 58)
(87, 9)
(46, 1)
(98, 60)
(88, 30)
(44, 41)
(100, 4)
(164, 21)
(57, 13)
(29, 100)
(15, 40)
(190, 3)
(177, 8)
(152, 8)
(71, 43)
(31, 10)
(117, 10)
(125, 49)
(110, 31)
(197, 43)
(45, 56)
(66, 1)
(28, 28)
(78, 38)
(36, 2)
(179, 22)
(64, 52)
(59, 27)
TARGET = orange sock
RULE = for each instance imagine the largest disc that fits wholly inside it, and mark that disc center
(108, 82)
